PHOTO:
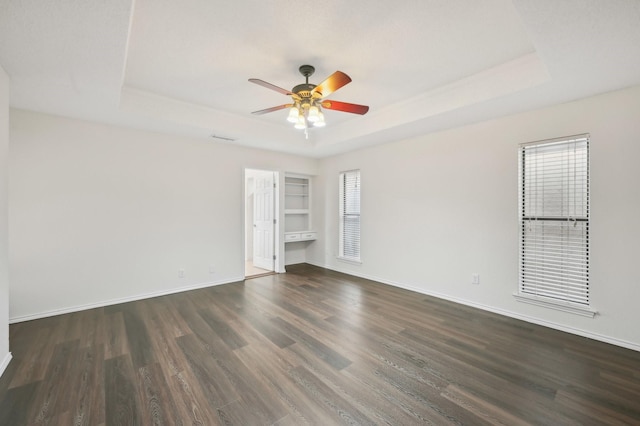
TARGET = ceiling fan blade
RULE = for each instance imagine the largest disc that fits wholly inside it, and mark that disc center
(275, 108)
(270, 86)
(331, 84)
(345, 107)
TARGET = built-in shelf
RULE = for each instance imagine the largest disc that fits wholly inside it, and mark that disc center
(297, 209)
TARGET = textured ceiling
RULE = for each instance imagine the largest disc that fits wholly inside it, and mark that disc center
(421, 66)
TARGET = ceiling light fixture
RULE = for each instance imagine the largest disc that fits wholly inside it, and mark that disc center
(305, 114)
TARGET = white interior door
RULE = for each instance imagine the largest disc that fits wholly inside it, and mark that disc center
(263, 224)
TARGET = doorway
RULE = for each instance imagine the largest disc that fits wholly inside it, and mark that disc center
(260, 224)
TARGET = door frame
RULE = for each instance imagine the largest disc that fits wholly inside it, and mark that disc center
(278, 265)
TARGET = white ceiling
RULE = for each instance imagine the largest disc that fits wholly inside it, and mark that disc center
(182, 67)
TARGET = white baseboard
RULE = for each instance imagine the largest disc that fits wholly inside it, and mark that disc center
(515, 315)
(5, 363)
(102, 304)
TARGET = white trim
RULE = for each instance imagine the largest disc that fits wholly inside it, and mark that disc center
(71, 309)
(5, 363)
(532, 320)
(562, 139)
(351, 260)
(558, 306)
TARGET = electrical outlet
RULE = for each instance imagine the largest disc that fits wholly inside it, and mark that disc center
(180, 273)
(212, 269)
(475, 279)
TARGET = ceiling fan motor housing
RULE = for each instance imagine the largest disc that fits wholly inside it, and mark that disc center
(303, 90)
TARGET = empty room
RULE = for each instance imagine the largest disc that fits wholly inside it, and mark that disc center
(319, 213)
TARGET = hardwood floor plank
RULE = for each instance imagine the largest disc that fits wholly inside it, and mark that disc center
(92, 332)
(285, 308)
(85, 401)
(310, 347)
(222, 329)
(7, 377)
(321, 350)
(481, 360)
(53, 390)
(416, 399)
(140, 347)
(380, 364)
(515, 397)
(234, 299)
(122, 405)
(115, 335)
(162, 310)
(191, 403)
(254, 391)
(289, 420)
(248, 317)
(239, 413)
(602, 407)
(580, 412)
(162, 333)
(262, 324)
(16, 404)
(390, 406)
(397, 406)
(211, 376)
(158, 406)
(339, 409)
(31, 366)
(201, 329)
(488, 412)
(626, 385)
(275, 370)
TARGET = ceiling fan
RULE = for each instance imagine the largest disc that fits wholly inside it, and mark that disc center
(309, 99)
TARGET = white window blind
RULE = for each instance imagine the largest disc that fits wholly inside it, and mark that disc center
(350, 215)
(554, 249)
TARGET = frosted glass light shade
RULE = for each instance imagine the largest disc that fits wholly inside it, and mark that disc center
(293, 114)
(313, 115)
(320, 122)
(300, 124)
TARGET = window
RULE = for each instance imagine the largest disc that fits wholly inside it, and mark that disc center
(350, 215)
(554, 223)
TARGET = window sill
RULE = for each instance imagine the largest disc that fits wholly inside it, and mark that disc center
(558, 306)
(349, 260)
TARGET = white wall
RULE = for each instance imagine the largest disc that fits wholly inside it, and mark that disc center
(99, 214)
(5, 356)
(437, 208)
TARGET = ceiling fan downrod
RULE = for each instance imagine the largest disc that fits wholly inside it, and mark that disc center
(307, 71)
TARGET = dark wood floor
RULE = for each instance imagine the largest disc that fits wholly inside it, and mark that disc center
(310, 347)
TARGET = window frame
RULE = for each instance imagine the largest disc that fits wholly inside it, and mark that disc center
(541, 282)
(344, 214)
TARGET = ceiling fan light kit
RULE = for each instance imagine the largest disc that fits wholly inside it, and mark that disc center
(308, 99)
